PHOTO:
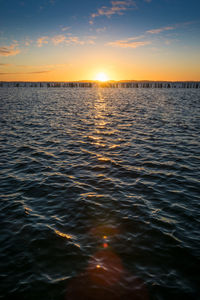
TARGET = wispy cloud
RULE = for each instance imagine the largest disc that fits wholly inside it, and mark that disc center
(66, 28)
(159, 30)
(42, 40)
(61, 38)
(143, 40)
(116, 8)
(101, 29)
(128, 43)
(9, 50)
(90, 39)
(27, 42)
(58, 39)
(39, 72)
(171, 27)
(7, 73)
(74, 40)
(5, 65)
(67, 39)
(25, 73)
(148, 1)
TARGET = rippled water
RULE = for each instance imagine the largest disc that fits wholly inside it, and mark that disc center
(99, 193)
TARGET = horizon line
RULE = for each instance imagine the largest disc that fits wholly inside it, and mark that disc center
(97, 81)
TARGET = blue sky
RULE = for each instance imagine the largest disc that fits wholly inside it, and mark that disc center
(43, 35)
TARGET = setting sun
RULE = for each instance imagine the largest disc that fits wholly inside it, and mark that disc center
(101, 77)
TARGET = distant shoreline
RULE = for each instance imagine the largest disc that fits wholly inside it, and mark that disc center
(107, 84)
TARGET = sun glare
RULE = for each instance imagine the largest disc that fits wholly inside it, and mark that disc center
(101, 77)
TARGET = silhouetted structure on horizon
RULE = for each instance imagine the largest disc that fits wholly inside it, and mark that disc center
(108, 84)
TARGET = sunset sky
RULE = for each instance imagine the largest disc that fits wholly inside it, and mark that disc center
(66, 40)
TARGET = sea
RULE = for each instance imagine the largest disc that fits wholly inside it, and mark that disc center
(100, 191)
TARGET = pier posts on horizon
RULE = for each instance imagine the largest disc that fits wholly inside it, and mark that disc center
(106, 84)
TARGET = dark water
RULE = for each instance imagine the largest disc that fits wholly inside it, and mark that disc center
(99, 180)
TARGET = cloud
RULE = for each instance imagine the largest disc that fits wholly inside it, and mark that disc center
(28, 42)
(25, 73)
(65, 39)
(167, 42)
(66, 28)
(102, 29)
(74, 40)
(148, 1)
(7, 73)
(142, 40)
(5, 65)
(42, 40)
(158, 30)
(58, 39)
(133, 38)
(173, 27)
(90, 39)
(39, 72)
(129, 43)
(9, 50)
(116, 8)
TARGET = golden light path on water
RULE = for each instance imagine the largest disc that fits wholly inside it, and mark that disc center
(105, 276)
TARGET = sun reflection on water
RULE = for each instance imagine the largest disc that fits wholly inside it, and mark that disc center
(105, 276)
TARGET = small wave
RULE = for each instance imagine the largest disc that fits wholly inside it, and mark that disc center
(73, 161)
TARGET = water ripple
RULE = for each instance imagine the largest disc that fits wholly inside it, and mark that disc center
(99, 189)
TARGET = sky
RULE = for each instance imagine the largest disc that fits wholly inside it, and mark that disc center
(70, 40)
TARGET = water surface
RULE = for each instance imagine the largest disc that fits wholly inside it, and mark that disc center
(91, 170)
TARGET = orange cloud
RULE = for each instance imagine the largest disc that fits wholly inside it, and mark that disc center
(61, 38)
(24, 73)
(9, 50)
(117, 7)
(28, 42)
(5, 65)
(128, 43)
(158, 30)
(58, 39)
(74, 40)
(39, 72)
(42, 40)
(66, 28)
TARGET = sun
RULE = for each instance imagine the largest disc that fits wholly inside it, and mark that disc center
(101, 77)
